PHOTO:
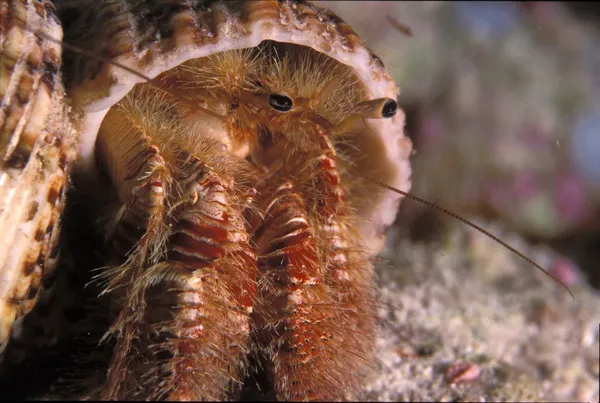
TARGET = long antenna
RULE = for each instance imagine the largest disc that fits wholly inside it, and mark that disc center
(470, 224)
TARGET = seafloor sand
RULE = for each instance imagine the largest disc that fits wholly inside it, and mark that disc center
(471, 301)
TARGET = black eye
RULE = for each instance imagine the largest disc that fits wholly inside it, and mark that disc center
(280, 103)
(389, 108)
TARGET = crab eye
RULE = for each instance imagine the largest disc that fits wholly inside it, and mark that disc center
(281, 103)
(389, 108)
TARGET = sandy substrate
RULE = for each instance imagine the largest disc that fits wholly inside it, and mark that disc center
(465, 308)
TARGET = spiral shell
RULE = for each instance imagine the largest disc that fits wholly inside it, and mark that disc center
(36, 148)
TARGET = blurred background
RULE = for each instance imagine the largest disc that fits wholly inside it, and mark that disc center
(503, 107)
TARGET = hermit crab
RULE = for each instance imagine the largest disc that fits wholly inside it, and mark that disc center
(217, 154)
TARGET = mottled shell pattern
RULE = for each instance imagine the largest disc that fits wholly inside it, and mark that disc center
(36, 145)
(45, 135)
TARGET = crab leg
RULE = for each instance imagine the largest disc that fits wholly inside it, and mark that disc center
(293, 302)
(188, 285)
(349, 272)
(314, 281)
(214, 290)
(139, 173)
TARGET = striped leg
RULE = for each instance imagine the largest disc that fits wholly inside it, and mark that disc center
(136, 233)
(349, 274)
(183, 327)
(315, 288)
(216, 272)
(296, 317)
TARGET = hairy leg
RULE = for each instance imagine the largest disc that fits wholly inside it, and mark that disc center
(315, 308)
(186, 289)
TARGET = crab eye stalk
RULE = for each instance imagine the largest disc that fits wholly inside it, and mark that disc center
(377, 108)
(281, 103)
(389, 109)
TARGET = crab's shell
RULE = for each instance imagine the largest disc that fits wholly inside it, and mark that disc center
(154, 36)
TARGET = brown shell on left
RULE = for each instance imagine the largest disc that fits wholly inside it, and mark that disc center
(36, 148)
